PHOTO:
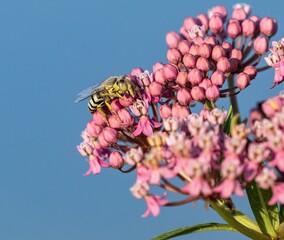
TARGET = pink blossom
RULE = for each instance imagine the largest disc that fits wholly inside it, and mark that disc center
(95, 165)
(278, 194)
(229, 187)
(153, 203)
(197, 187)
(145, 126)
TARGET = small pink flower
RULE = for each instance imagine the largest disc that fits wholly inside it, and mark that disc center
(85, 149)
(145, 126)
(278, 194)
(266, 178)
(197, 187)
(229, 187)
(153, 203)
(134, 156)
(95, 165)
(140, 189)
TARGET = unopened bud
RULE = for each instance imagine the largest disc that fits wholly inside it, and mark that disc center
(260, 45)
(172, 39)
(116, 160)
(242, 80)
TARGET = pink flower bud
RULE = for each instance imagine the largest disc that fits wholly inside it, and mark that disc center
(195, 76)
(126, 101)
(184, 33)
(189, 61)
(234, 63)
(110, 134)
(204, 20)
(181, 78)
(212, 93)
(227, 47)
(165, 111)
(180, 112)
(173, 56)
(218, 78)
(250, 71)
(223, 64)
(234, 28)
(114, 121)
(116, 160)
(93, 129)
(210, 40)
(125, 117)
(260, 45)
(197, 93)
(136, 71)
(170, 72)
(239, 13)
(194, 50)
(115, 104)
(203, 64)
(256, 21)
(268, 26)
(189, 22)
(160, 76)
(218, 52)
(242, 80)
(197, 40)
(156, 89)
(248, 28)
(206, 83)
(205, 50)
(216, 24)
(183, 96)
(156, 66)
(172, 39)
(99, 119)
(103, 143)
(184, 46)
(218, 10)
(237, 54)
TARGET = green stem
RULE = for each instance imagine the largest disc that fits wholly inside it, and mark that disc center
(233, 97)
(239, 221)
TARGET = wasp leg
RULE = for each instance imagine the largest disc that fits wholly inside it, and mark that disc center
(112, 110)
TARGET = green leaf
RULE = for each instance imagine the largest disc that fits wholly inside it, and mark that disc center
(266, 215)
(195, 229)
(281, 213)
(227, 123)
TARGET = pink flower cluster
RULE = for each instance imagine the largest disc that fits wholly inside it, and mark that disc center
(200, 155)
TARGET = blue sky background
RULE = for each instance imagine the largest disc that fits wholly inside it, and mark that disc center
(49, 51)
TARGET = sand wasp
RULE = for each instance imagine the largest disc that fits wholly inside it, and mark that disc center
(102, 94)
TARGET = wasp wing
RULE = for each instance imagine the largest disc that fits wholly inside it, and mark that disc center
(96, 88)
(87, 92)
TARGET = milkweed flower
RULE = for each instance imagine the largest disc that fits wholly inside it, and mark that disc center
(150, 125)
